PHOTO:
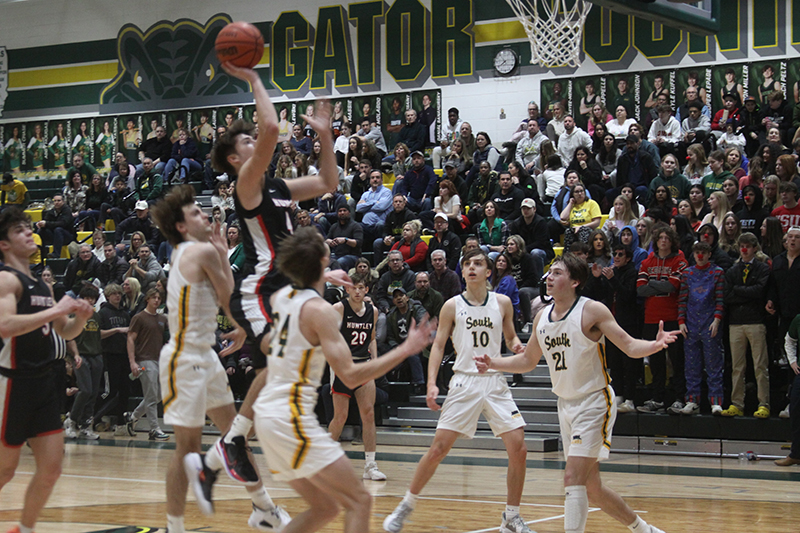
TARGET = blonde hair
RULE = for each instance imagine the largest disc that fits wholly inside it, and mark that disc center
(627, 211)
(644, 242)
(416, 225)
(136, 290)
(772, 178)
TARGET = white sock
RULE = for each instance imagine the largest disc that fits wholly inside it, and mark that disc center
(23, 529)
(369, 457)
(512, 511)
(576, 509)
(239, 428)
(175, 524)
(639, 526)
(411, 499)
(213, 458)
(261, 499)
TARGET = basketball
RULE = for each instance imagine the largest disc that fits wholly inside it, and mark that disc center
(240, 43)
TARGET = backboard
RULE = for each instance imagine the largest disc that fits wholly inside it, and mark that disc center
(700, 17)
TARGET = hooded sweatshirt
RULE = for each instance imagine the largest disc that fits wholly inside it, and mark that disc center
(751, 219)
(114, 317)
(639, 253)
(718, 257)
(658, 282)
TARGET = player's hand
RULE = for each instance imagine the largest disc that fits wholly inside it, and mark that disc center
(135, 370)
(518, 348)
(246, 74)
(235, 339)
(664, 338)
(430, 397)
(714, 328)
(420, 335)
(84, 311)
(321, 121)
(338, 277)
(67, 306)
(684, 330)
(482, 362)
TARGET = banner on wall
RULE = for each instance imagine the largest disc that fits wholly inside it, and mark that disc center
(3, 78)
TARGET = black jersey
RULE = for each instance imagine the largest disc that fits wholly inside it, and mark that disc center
(34, 351)
(357, 330)
(262, 230)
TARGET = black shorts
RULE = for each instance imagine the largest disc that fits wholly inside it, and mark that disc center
(31, 407)
(251, 309)
(339, 387)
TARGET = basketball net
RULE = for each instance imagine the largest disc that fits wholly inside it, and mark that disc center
(554, 31)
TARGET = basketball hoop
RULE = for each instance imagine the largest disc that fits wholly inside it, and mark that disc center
(555, 32)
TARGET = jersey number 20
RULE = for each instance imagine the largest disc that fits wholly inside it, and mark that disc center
(359, 338)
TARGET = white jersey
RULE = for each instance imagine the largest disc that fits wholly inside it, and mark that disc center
(577, 363)
(295, 366)
(193, 306)
(478, 330)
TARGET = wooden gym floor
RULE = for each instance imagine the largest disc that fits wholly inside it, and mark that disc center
(117, 485)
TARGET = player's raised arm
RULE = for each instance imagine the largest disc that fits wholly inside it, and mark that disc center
(602, 320)
(308, 187)
(251, 174)
(319, 322)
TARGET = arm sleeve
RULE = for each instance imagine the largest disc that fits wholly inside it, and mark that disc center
(719, 286)
(683, 295)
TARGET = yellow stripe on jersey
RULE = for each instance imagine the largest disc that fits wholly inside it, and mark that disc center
(601, 352)
(609, 404)
(297, 410)
(183, 322)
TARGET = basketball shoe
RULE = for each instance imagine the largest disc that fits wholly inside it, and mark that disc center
(515, 524)
(237, 463)
(371, 472)
(201, 479)
(394, 522)
(274, 519)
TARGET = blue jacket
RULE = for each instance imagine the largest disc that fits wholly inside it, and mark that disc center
(508, 286)
(419, 182)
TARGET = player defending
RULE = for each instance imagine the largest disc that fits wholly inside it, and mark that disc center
(569, 332)
(358, 319)
(477, 320)
(193, 381)
(263, 206)
(297, 448)
(31, 369)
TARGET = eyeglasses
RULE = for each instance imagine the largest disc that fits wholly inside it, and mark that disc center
(619, 254)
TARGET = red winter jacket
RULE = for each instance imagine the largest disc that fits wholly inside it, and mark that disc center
(659, 282)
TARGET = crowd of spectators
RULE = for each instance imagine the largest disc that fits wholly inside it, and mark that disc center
(693, 222)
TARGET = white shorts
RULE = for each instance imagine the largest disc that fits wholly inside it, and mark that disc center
(193, 382)
(296, 448)
(470, 396)
(586, 424)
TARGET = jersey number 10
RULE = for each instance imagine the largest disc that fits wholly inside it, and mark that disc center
(481, 340)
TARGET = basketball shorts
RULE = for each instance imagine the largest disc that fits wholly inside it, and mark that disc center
(338, 386)
(586, 424)
(251, 309)
(193, 381)
(31, 407)
(296, 448)
(471, 395)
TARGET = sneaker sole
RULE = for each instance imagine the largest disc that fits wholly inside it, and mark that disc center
(370, 478)
(386, 522)
(193, 465)
(233, 475)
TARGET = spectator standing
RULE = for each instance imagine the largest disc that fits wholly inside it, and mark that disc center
(146, 336)
(658, 282)
(398, 324)
(89, 374)
(789, 212)
(700, 311)
(114, 321)
(745, 298)
(794, 408)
